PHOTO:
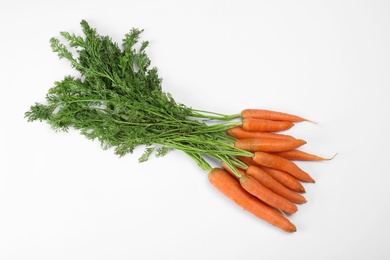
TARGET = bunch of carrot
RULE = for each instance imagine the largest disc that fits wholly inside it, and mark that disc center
(268, 184)
(118, 100)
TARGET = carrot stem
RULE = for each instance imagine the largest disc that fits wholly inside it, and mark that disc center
(213, 116)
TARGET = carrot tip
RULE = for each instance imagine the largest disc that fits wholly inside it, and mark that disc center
(294, 229)
(310, 121)
(309, 180)
(328, 159)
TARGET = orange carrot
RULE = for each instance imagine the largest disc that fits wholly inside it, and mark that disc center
(232, 189)
(284, 178)
(266, 195)
(268, 144)
(272, 184)
(268, 181)
(280, 163)
(270, 115)
(263, 125)
(239, 133)
(300, 155)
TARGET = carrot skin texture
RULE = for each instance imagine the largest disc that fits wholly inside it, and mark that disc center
(264, 178)
(270, 115)
(239, 133)
(299, 155)
(264, 194)
(282, 177)
(268, 144)
(231, 188)
(269, 182)
(264, 125)
(280, 163)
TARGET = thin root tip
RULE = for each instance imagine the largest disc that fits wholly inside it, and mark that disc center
(328, 159)
(310, 121)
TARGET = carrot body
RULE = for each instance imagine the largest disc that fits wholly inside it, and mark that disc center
(239, 133)
(280, 163)
(268, 144)
(264, 178)
(270, 115)
(263, 125)
(284, 178)
(269, 197)
(299, 155)
(232, 189)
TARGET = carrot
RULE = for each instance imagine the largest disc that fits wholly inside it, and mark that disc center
(263, 125)
(268, 144)
(270, 115)
(300, 155)
(266, 195)
(268, 181)
(284, 178)
(264, 178)
(232, 189)
(239, 133)
(280, 163)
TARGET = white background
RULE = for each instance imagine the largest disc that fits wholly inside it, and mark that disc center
(62, 197)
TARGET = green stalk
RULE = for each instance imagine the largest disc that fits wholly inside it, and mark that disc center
(118, 99)
(214, 116)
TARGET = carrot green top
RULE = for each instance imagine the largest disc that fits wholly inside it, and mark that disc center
(118, 99)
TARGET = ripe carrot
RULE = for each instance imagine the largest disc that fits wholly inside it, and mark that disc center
(268, 181)
(300, 155)
(277, 162)
(284, 178)
(232, 189)
(268, 144)
(239, 133)
(264, 178)
(263, 125)
(270, 115)
(266, 195)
